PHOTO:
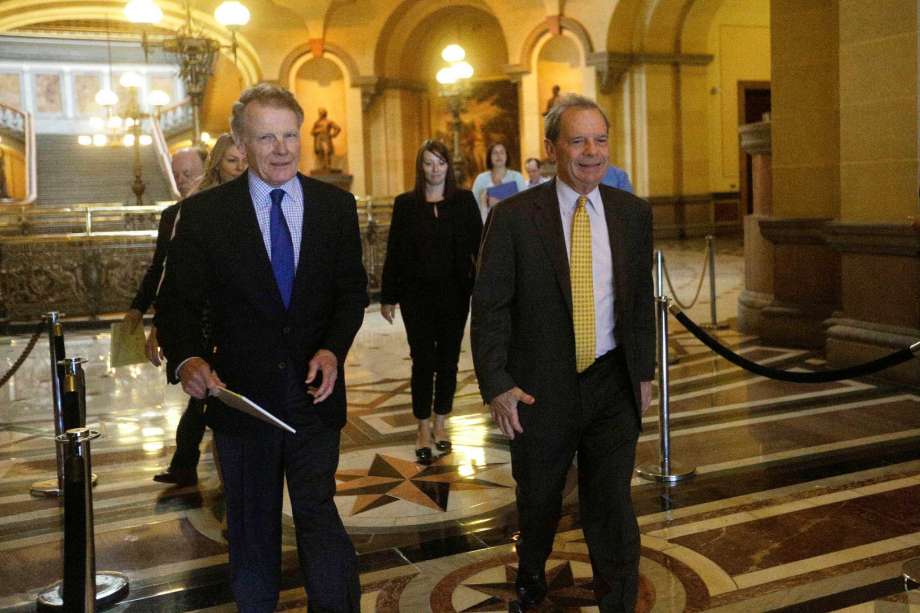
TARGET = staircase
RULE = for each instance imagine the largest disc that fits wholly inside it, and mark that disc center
(70, 173)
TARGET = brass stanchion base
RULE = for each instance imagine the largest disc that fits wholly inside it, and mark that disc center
(911, 573)
(49, 488)
(654, 472)
(110, 588)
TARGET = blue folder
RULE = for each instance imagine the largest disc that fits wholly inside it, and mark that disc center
(502, 191)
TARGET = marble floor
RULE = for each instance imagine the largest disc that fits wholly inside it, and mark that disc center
(804, 499)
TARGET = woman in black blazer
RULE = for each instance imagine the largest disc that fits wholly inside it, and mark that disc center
(429, 272)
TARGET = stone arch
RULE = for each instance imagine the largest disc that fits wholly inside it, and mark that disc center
(303, 53)
(21, 13)
(396, 34)
(655, 26)
(542, 33)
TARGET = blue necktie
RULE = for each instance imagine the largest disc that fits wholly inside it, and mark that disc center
(282, 248)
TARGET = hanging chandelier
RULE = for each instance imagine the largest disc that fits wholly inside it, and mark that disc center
(194, 50)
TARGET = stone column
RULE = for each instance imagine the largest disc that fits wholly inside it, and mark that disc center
(758, 252)
(806, 282)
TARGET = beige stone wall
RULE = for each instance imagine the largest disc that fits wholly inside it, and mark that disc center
(806, 122)
(739, 40)
(878, 110)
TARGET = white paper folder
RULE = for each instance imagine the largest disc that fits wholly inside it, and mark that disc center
(244, 404)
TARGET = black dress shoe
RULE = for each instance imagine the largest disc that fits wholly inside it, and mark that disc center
(178, 476)
(531, 590)
(442, 446)
(423, 454)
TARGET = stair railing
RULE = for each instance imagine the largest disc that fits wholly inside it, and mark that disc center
(162, 154)
(20, 123)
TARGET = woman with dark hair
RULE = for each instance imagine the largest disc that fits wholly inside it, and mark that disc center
(429, 271)
(497, 174)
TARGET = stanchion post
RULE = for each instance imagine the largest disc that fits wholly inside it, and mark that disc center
(713, 315)
(56, 351)
(666, 471)
(82, 589)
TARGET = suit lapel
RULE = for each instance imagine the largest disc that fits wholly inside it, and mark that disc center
(256, 267)
(613, 214)
(309, 239)
(549, 227)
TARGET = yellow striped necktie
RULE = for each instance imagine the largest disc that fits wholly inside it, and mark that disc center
(581, 275)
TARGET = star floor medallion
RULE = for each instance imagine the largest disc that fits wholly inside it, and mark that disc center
(387, 488)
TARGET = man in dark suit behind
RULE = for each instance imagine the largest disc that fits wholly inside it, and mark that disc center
(563, 335)
(278, 256)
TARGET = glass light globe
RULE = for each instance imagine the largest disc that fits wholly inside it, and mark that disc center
(114, 121)
(157, 97)
(463, 70)
(85, 140)
(100, 140)
(446, 76)
(131, 79)
(145, 140)
(96, 123)
(232, 14)
(127, 140)
(205, 137)
(453, 53)
(143, 11)
(106, 97)
(129, 122)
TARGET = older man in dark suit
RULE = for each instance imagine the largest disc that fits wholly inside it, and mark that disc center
(278, 257)
(563, 334)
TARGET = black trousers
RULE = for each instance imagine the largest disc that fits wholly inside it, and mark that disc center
(253, 471)
(601, 427)
(189, 433)
(435, 318)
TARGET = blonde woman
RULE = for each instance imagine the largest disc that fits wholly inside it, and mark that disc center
(225, 163)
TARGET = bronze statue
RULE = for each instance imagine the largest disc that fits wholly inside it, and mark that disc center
(552, 101)
(324, 130)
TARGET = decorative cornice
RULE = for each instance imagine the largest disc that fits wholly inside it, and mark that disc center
(755, 138)
(873, 238)
(612, 66)
(794, 230)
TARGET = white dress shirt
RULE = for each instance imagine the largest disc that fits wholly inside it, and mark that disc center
(601, 259)
(291, 207)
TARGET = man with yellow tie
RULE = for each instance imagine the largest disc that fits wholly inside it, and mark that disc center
(563, 334)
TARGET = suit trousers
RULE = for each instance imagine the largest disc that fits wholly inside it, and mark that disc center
(600, 426)
(435, 317)
(253, 471)
(189, 433)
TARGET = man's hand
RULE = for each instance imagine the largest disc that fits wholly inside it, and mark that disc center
(325, 362)
(152, 348)
(505, 412)
(645, 388)
(197, 378)
(132, 318)
(388, 311)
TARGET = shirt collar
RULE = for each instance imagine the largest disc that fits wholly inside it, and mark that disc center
(568, 197)
(260, 190)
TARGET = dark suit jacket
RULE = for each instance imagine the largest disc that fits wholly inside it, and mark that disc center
(147, 292)
(522, 330)
(218, 254)
(405, 261)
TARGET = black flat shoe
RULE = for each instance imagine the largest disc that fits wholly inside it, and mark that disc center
(442, 446)
(178, 476)
(423, 454)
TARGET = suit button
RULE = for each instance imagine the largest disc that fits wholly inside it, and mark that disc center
(282, 365)
(286, 329)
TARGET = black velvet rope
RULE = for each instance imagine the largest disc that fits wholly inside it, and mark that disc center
(852, 372)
